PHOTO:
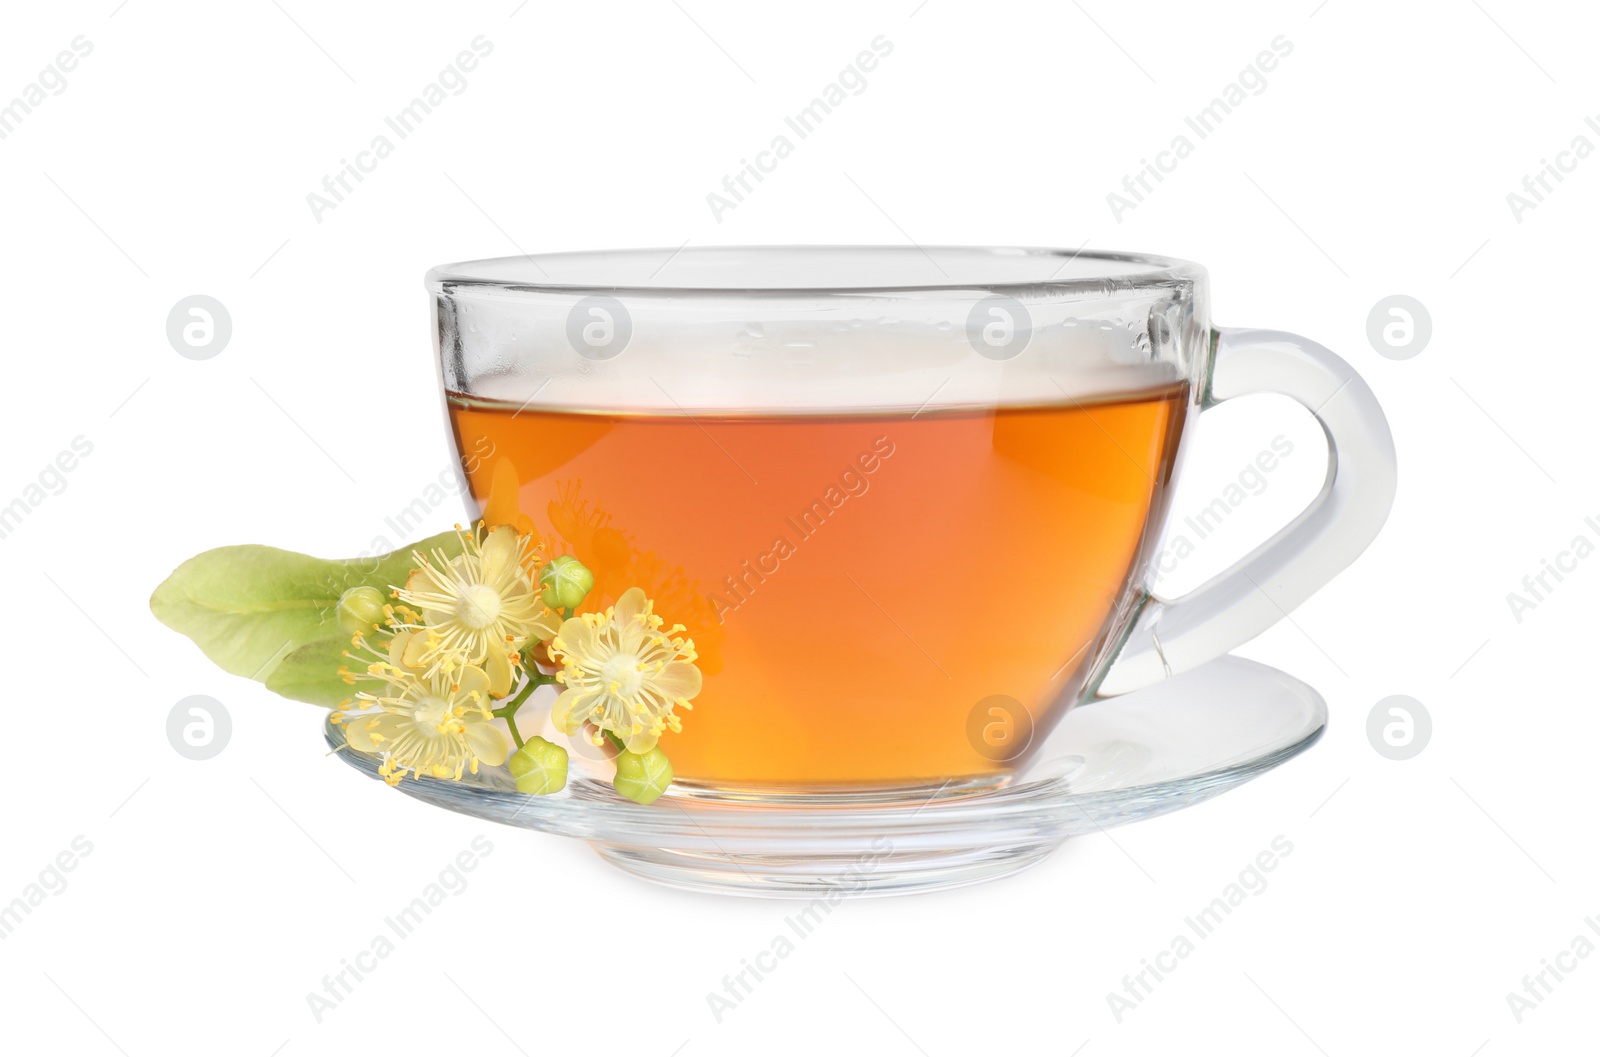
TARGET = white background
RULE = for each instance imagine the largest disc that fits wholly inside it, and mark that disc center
(1376, 161)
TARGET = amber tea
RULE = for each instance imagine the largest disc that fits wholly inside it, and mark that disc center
(856, 583)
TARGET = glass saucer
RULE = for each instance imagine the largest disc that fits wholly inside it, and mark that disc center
(1107, 763)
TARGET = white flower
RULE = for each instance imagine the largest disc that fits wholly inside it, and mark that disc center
(623, 674)
(480, 606)
(425, 724)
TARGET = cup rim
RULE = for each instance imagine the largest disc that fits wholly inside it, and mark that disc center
(768, 271)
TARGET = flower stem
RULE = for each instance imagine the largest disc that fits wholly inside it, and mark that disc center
(508, 711)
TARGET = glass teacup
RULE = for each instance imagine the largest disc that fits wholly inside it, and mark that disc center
(904, 500)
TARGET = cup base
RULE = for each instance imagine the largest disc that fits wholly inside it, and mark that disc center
(825, 877)
(1107, 763)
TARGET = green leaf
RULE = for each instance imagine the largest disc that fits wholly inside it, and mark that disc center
(249, 608)
(311, 673)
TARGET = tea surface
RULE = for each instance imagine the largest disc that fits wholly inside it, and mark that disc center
(855, 584)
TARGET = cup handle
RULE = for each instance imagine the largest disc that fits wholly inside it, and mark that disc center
(1233, 607)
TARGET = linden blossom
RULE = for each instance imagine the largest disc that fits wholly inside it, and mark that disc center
(853, 483)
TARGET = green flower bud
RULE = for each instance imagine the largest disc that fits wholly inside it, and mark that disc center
(643, 776)
(360, 608)
(539, 767)
(566, 581)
